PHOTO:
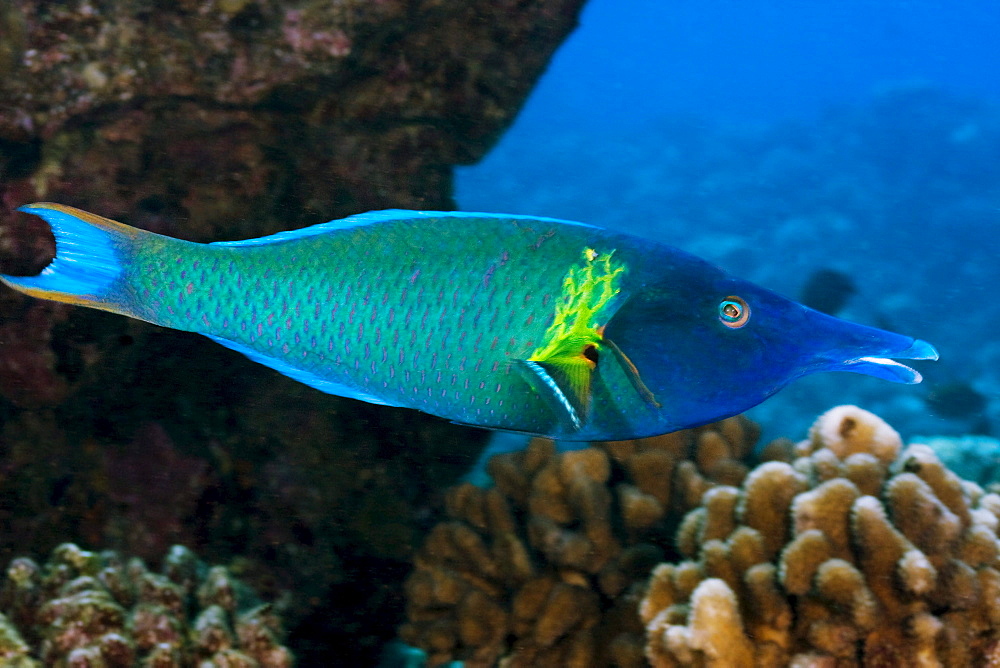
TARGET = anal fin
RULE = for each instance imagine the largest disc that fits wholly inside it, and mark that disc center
(302, 375)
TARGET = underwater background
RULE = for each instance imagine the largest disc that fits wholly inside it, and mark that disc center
(167, 501)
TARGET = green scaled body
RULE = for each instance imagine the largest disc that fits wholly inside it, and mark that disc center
(421, 316)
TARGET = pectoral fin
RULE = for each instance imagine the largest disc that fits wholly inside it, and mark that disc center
(632, 373)
(565, 382)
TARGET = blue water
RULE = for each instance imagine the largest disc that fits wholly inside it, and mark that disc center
(776, 138)
(759, 61)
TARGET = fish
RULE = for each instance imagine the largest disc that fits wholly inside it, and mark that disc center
(957, 400)
(507, 322)
(828, 291)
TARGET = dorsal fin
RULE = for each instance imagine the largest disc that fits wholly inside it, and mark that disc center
(386, 216)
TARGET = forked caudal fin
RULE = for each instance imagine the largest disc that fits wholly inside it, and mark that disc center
(87, 262)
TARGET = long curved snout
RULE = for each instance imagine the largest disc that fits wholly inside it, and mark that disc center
(871, 351)
(882, 366)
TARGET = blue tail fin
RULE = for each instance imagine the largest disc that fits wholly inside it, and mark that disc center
(88, 262)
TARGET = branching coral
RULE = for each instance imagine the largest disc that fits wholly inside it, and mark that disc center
(88, 609)
(859, 552)
(544, 568)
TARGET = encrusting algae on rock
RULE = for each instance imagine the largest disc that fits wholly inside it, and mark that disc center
(858, 552)
(545, 568)
(87, 609)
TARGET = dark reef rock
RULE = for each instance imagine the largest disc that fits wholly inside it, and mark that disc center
(224, 119)
(256, 113)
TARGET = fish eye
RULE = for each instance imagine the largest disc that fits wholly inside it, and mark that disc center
(734, 312)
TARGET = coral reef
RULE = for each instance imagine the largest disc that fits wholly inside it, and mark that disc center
(858, 552)
(96, 609)
(307, 526)
(544, 568)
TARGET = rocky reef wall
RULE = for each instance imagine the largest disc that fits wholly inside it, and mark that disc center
(225, 119)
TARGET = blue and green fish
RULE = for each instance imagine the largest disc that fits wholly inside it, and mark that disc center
(506, 322)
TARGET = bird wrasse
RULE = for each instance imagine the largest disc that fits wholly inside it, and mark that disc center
(506, 322)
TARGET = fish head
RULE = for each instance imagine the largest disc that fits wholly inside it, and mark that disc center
(708, 346)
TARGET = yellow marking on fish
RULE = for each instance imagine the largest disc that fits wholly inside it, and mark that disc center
(66, 298)
(587, 290)
(52, 295)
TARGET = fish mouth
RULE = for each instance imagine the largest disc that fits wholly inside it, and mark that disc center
(881, 365)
